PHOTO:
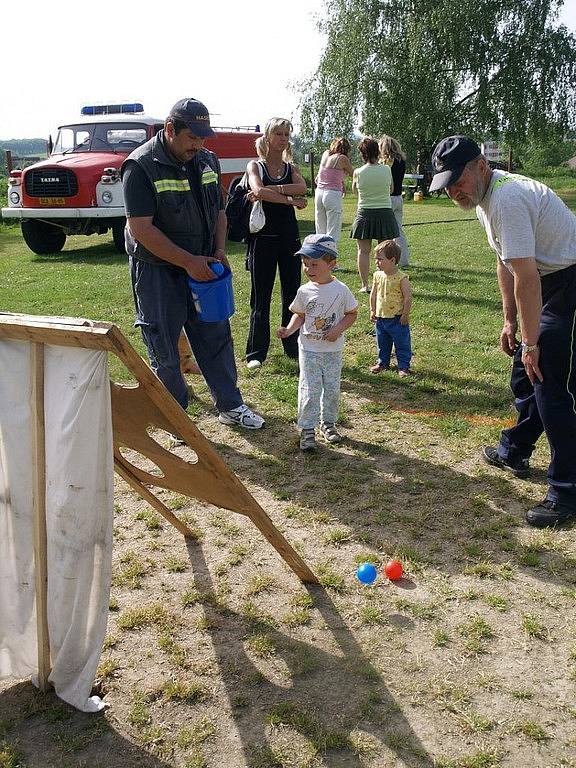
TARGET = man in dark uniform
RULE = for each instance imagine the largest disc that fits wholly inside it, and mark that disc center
(176, 227)
(534, 236)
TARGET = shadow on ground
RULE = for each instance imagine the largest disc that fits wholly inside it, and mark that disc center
(342, 682)
(438, 515)
(51, 734)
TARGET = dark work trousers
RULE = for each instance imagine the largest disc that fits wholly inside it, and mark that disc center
(164, 306)
(550, 405)
(265, 254)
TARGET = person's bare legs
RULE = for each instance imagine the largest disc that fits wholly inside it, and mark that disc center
(364, 248)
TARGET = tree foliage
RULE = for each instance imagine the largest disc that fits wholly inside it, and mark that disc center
(421, 69)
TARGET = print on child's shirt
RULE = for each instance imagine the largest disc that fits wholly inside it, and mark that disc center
(319, 319)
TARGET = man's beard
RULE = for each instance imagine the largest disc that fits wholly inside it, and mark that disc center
(474, 199)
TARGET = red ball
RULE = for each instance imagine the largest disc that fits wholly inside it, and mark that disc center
(393, 570)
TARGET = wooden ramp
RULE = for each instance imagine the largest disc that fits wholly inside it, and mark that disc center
(137, 411)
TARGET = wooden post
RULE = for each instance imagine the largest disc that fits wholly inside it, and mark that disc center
(509, 159)
(153, 500)
(8, 160)
(312, 174)
(39, 501)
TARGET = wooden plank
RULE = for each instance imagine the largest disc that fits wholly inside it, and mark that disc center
(64, 334)
(153, 500)
(39, 494)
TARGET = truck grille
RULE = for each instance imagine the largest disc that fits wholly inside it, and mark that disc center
(51, 182)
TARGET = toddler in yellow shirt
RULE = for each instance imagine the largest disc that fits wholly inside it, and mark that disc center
(390, 304)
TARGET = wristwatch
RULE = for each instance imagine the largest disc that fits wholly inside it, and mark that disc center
(529, 347)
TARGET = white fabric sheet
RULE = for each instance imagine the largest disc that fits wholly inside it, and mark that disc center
(79, 512)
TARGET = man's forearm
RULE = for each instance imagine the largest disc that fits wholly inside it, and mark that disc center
(161, 246)
(506, 284)
(528, 295)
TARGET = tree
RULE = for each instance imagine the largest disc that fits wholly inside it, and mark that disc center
(422, 69)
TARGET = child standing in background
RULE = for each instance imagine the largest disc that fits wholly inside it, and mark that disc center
(323, 309)
(390, 304)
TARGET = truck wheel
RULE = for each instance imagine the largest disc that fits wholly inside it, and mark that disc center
(43, 238)
(118, 235)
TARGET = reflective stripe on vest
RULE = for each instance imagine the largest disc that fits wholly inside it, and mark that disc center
(172, 185)
(209, 177)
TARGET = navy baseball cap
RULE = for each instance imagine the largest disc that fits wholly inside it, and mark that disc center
(315, 246)
(449, 158)
(195, 115)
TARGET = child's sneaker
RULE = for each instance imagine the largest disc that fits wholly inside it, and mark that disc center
(307, 440)
(330, 433)
(242, 417)
(404, 372)
(379, 368)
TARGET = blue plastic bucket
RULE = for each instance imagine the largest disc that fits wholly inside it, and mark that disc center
(213, 299)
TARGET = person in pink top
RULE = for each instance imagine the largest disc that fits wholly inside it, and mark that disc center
(334, 165)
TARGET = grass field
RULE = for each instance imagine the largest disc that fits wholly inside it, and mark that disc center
(216, 656)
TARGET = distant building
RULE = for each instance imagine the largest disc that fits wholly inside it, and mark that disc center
(494, 151)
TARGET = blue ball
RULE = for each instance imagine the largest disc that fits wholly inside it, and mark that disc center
(366, 573)
(217, 267)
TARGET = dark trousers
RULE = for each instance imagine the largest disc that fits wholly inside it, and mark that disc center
(164, 306)
(265, 254)
(550, 405)
(390, 331)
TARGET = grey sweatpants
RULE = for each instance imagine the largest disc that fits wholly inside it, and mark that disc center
(318, 388)
(164, 306)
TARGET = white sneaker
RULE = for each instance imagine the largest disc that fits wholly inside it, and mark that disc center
(252, 365)
(242, 417)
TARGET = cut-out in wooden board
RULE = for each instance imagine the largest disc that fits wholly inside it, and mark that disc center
(137, 409)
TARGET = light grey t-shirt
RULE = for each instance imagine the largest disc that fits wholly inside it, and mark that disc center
(323, 306)
(525, 219)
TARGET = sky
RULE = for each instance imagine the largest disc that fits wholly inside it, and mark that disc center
(243, 60)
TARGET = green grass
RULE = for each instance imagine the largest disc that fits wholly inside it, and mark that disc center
(89, 279)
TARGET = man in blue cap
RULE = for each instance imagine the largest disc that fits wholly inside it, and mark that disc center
(176, 227)
(534, 236)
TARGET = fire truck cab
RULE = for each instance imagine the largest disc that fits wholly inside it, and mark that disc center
(77, 190)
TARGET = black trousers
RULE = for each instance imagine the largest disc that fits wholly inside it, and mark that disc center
(550, 406)
(265, 255)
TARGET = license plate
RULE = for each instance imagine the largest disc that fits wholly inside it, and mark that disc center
(52, 200)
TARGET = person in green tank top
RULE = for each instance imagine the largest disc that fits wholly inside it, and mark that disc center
(375, 219)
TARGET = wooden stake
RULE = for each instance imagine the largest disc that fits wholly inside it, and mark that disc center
(40, 535)
(152, 499)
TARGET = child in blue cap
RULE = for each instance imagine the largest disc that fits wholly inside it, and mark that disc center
(323, 309)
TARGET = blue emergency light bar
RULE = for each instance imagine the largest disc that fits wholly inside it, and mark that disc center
(112, 109)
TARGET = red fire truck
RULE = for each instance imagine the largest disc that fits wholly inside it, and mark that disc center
(77, 190)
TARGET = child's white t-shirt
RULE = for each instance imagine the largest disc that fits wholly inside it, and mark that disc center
(323, 306)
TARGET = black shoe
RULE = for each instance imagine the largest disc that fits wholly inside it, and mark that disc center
(518, 467)
(549, 513)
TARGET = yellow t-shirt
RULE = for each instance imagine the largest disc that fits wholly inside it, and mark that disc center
(389, 299)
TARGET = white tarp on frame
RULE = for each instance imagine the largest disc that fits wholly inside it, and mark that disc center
(79, 512)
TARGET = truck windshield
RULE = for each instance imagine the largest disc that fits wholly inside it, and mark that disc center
(99, 137)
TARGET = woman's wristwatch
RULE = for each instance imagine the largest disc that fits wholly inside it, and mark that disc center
(529, 347)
